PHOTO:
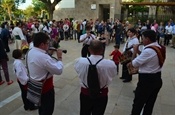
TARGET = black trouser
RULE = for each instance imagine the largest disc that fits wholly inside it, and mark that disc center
(167, 39)
(125, 73)
(89, 106)
(27, 103)
(85, 51)
(6, 45)
(146, 93)
(47, 103)
(61, 35)
(66, 34)
(117, 65)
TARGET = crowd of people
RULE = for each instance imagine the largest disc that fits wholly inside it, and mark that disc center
(95, 35)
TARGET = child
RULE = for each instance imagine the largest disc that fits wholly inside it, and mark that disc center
(116, 53)
(22, 78)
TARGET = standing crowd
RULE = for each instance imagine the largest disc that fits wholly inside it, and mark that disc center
(95, 36)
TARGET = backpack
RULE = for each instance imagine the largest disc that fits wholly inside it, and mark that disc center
(92, 80)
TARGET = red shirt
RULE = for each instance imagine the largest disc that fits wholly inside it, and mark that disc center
(115, 55)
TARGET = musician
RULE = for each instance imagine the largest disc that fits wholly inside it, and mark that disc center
(132, 39)
(39, 64)
(106, 69)
(150, 80)
(86, 39)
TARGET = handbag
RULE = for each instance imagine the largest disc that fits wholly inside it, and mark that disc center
(34, 89)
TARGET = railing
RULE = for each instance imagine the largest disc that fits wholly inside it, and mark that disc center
(143, 18)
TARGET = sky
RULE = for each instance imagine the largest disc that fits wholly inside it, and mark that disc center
(63, 4)
(25, 5)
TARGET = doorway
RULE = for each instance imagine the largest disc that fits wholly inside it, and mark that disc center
(104, 11)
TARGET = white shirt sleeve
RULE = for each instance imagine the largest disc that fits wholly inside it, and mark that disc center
(21, 73)
(21, 34)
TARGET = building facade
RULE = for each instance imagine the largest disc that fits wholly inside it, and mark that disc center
(91, 9)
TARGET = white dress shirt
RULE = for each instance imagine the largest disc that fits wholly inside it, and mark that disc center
(147, 61)
(131, 42)
(40, 63)
(20, 71)
(168, 29)
(31, 45)
(87, 40)
(17, 31)
(34, 29)
(106, 70)
(48, 31)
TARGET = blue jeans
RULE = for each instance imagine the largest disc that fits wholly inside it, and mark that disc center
(117, 39)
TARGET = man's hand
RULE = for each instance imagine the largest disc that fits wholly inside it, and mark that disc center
(59, 54)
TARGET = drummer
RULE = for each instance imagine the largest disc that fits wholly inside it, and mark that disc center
(132, 39)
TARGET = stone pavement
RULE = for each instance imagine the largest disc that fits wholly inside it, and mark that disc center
(67, 88)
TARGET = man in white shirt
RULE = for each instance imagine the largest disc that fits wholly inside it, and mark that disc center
(19, 36)
(86, 39)
(106, 71)
(39, 65)
(132, 39)
(168, 33)
(150, 80)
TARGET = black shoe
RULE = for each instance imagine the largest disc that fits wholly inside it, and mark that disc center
(125, 81)
(122, 78)
(134, 91)
(33, 108)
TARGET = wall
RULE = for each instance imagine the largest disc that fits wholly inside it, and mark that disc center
(83, 10)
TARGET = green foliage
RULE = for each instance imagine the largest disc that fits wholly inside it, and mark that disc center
(38, 5)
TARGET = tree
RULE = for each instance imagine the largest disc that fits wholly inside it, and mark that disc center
(50, 6)
(29, 12)
(7, 5)
(39, 7)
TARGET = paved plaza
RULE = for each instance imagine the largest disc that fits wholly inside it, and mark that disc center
(67, 88)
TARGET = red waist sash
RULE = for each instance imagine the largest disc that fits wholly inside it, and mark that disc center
(104, 91)
(48, 85)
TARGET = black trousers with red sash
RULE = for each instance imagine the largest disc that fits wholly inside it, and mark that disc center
(93, 106)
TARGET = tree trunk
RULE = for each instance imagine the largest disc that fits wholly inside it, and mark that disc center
(51, 14)
(9, 13)
(157, 8)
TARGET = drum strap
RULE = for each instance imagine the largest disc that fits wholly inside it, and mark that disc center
(160, 54)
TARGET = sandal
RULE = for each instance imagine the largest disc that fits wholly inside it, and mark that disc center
(2, 82)
(10, 82)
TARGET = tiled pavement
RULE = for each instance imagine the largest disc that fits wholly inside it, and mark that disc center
(67, 88)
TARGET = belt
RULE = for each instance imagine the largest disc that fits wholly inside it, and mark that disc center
(17, 37)
(104, 91)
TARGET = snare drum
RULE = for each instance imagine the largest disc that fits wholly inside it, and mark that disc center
(125, 57)
(132, 70)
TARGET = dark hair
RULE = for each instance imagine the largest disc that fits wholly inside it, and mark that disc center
(133, 30)
(18, 23)
(46, 24)
(88, 27)
(3, 25)
(151, 34)
(17, 53)
(96, 46)
(116, 46)
(39, 38)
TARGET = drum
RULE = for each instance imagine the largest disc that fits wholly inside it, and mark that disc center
(132, 70)
(125, 57)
